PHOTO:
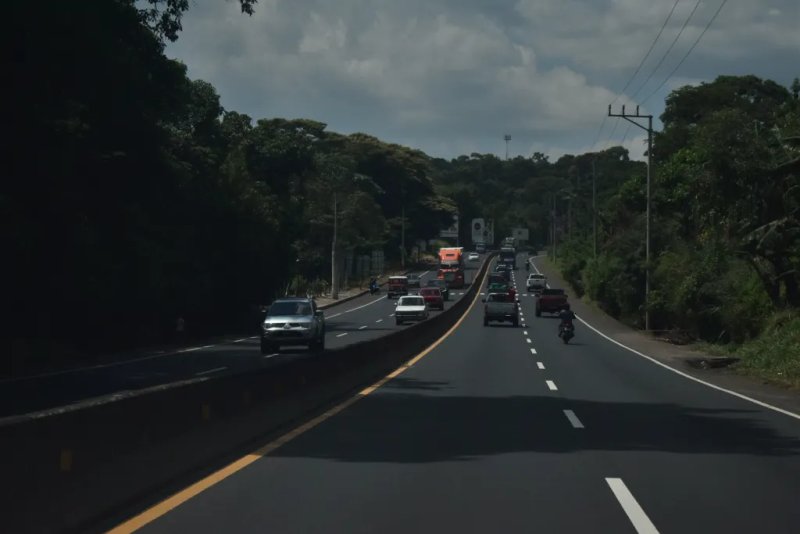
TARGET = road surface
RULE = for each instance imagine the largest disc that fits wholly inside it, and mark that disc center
(362, 318)
(503, 429)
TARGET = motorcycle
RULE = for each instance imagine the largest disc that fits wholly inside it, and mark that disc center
(566, 332)
(374, 288)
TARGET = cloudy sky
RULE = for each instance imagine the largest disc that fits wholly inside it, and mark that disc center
(452, 77)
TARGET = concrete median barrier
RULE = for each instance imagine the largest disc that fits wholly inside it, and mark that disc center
(75, 468)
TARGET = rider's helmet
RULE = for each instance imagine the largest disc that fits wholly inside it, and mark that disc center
(566, 307)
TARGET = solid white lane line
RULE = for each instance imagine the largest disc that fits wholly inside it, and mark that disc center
(690, 377)
(685, 375)
(362, 327)
(356, 308)
(540, 365)
(270, 355)
(209, 371)
(551, 385)
(189, 350)
(640, 521)
(365, 305)
(342, 335)
(573, 419)
(528, 339)
(379, 321)
(533, 351)
(240, 340)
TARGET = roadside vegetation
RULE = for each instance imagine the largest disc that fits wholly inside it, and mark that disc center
(725, 227)
(135, 198)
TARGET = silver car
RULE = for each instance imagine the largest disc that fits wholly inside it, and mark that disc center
(293, 321)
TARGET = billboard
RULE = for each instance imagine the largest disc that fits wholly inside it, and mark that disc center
(451, 232)
(478, 229)
(520, 234)
(483, 231)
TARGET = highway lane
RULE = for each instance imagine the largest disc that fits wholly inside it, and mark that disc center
(365, 317)
(373, 315)
(503, 429)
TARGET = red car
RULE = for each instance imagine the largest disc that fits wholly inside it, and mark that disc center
(433, 297)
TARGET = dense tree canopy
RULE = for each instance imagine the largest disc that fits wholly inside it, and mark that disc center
(134, 197)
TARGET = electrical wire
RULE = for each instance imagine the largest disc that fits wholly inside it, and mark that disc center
(710, 22)
(638, 68)
(671, 46)
(649, 50)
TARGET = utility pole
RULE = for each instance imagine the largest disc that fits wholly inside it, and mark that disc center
(403, 237)
(649, 129)
(334, 277)
(507, 138)
(594, 209)
(554, 227)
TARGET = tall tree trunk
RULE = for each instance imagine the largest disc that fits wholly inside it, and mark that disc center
(770, 283)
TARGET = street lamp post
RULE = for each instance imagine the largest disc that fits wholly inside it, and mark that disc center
(334, 276)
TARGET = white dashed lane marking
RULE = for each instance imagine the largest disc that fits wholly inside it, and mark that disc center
(573, 419)
(635, 513)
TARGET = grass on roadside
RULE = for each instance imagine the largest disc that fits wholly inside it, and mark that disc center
(773, 356)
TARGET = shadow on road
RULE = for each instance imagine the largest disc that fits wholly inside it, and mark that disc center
(432, 425)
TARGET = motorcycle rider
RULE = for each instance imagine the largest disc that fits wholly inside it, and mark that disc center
(373, 285)
(566, 316)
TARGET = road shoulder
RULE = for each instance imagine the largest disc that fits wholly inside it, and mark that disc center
(674, 356)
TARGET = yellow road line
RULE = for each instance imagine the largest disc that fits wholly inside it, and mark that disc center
(164, 507)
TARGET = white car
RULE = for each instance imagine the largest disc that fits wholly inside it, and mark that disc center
(473, 256)
(536, 282)
(410, 308)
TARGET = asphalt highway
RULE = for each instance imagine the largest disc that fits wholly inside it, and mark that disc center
(504, 429)
(365, 317)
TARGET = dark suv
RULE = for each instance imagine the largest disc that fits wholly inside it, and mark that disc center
(293, 321)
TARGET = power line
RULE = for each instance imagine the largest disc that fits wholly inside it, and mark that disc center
(638, 68)
(663, 57)
(610, 137)
(625, 136)
(652, 45)
(597, 137)
(710, 22)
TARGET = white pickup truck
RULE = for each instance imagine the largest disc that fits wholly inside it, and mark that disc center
(410, 308)
(536, 282)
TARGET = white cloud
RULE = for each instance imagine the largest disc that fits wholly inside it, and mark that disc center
(451, 77)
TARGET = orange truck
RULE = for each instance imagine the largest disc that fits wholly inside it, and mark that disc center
(451, 266)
